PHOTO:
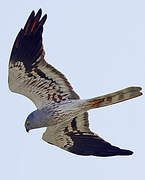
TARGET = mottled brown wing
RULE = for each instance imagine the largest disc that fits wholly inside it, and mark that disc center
(77, 138)
(29, 73)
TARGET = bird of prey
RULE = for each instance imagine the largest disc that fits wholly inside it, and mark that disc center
(59, 108)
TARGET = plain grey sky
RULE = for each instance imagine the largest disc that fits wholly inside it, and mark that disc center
(100, 47)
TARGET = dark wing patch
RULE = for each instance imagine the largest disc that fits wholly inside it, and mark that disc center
(74, 124)
(29, 73)
(28, 44)
(77, 138)
(93, 145)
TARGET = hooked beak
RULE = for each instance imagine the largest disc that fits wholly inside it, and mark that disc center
(27, 129)
(27, 124)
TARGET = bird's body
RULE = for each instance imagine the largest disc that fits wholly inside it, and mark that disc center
(54, 114)
(63, 112)
(59, 108)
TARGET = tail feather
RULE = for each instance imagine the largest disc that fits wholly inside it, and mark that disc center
(116, 97)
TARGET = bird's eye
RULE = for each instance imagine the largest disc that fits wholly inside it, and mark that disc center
(27, 122)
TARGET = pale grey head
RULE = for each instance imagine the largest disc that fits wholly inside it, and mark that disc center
(31, 122)
(36, 119)
(40, 118)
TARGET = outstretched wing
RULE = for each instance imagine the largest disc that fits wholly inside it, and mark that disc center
(77, 138)
(29, 73)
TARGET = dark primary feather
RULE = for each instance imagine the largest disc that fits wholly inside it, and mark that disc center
(88, 143)
(28, 44)
(93, 145)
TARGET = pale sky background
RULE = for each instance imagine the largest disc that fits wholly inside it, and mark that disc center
(100, 47)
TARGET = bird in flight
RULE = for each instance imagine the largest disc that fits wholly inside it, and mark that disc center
(59, 108)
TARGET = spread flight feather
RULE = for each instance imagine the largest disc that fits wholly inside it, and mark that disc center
(31, 76)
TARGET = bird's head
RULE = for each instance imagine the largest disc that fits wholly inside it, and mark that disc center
(35, 120)
(29, 123)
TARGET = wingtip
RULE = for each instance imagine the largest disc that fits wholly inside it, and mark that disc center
(45, 16)
(41, 23)
(125, 152)
(34, 22)
(39, 13)
(33, 12)
(40, 10)
(28, 44)
(130, 152)
(32, 15)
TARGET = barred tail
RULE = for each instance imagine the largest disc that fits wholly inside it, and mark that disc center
(116, 97)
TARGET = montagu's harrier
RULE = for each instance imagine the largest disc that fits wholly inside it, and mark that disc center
(59, 108)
